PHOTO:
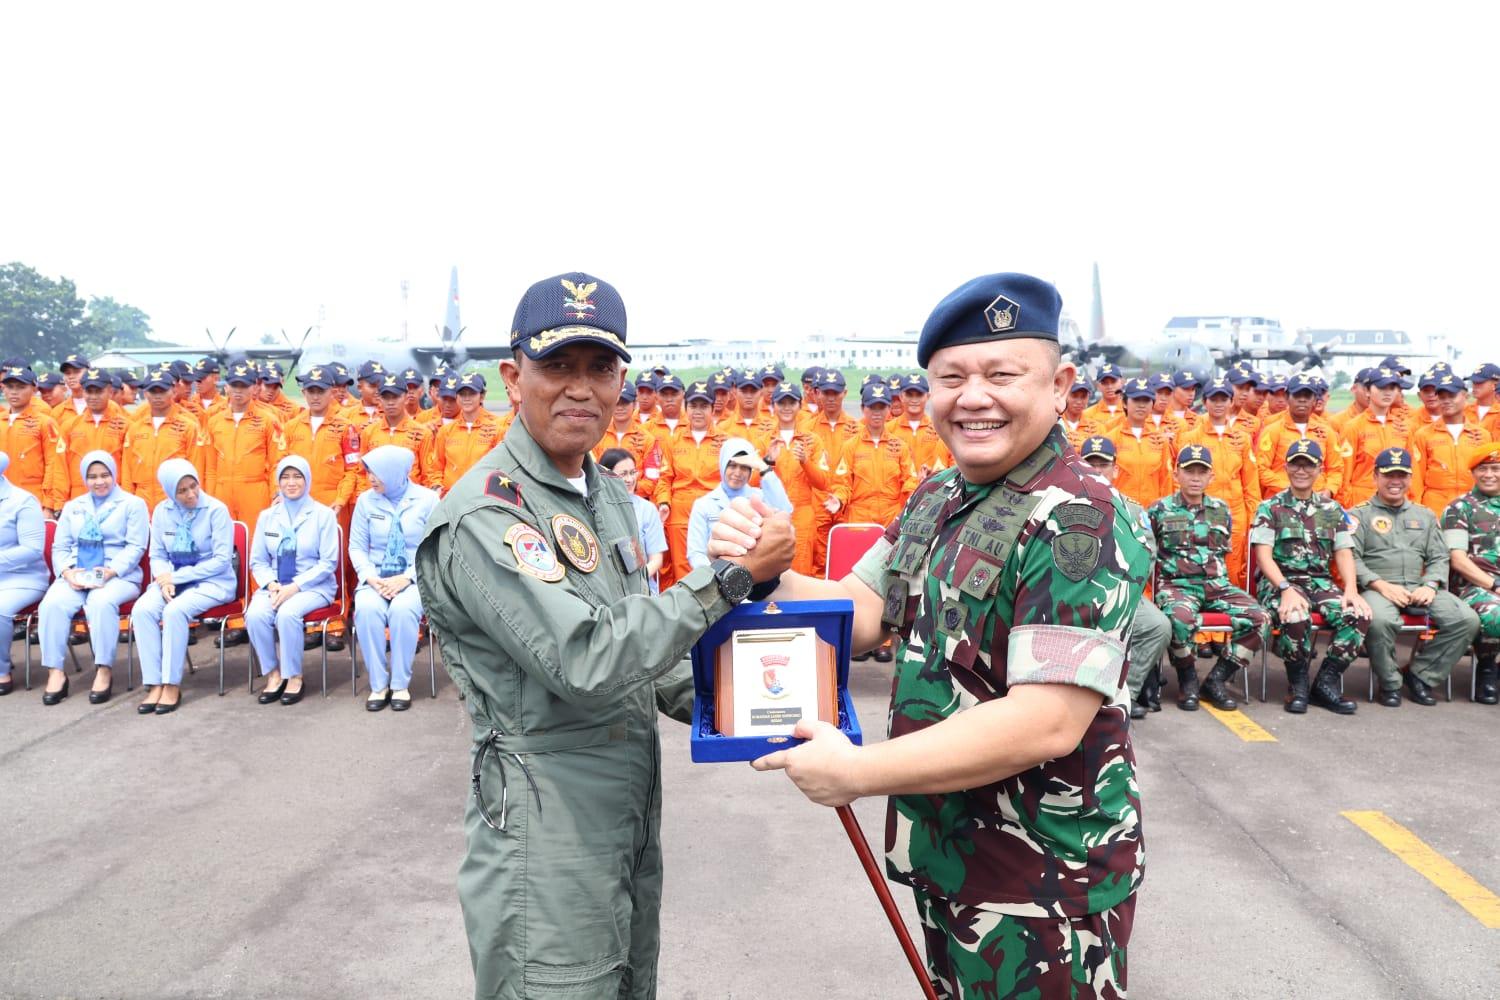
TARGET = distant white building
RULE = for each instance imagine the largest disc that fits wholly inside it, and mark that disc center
(1227, 331)
(817, 349)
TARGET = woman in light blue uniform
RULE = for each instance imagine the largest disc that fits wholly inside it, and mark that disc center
(192, 570)
(388, 522)
(738, 459)
(23, 571)
(293, 559)
(96, 554)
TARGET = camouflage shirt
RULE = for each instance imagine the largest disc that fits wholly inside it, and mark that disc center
(1032, 579)
(1303, 534)
(1191, 541)
(1472, 524)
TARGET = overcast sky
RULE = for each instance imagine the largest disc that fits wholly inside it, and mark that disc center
(755, 170)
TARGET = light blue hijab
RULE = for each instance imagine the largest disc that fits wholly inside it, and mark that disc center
(295, 507)
(172, 472)
(732, 449)
(391, 464)
(107, 460)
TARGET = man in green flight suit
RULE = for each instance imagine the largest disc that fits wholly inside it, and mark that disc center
(1401, 564)
(1194, 533)
(1010, 581)
(1295, 537)
(1471, 529)
(533, 576)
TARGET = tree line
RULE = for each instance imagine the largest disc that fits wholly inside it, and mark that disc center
(43, 319)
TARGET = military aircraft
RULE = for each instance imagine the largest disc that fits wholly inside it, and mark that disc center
(393, 354)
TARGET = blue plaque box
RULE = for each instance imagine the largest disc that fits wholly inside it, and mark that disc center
(834, 623)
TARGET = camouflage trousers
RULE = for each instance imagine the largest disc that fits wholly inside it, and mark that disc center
(975, 954)
(1295, 643)
(1184, 598)
(1487, 606)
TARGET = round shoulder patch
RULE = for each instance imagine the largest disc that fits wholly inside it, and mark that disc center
(577, 542)
(1381, 523)
(533, 557)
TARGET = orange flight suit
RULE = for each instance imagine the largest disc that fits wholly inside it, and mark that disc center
(1143, 466)
(804, 480)
(31, 439)
(1236, 481)
(416, 438)
(65, 413)
(832, 436)
(1103, 416)
(733, 426)
(458, 446)
(640, 443)
(1340, 420)
(689, 469)
(1438, 471)
(286, 408)
(147, 446)
(877, 478)
(1367, 437)
(927, 449)
(239, 459)
(1279, 433)
(84, 435)
(1490, 421)
(332, 454)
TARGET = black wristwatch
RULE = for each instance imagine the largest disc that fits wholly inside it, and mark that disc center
(734, 580)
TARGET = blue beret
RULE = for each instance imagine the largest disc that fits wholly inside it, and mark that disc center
(699, 390)
(1195, 454)
(573, 308)
(993, 307)
(319, 376)
(1139, 388)
(1108, 370)
(1218, 387)
(1393, 460)
(786, 390)
(1097, 447)
(19, 373)
(1304, 448)
(875, 392)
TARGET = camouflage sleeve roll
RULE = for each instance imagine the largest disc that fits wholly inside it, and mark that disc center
(1263, 528)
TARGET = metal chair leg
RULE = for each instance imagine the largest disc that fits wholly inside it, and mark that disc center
(130, 660)
(323, 648)
(349, 640)
(28, 656)
(221, 657)
(432, 664)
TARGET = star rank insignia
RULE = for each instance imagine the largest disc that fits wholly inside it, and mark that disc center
(503, 488)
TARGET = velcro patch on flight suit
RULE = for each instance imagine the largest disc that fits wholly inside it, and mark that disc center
(502, 487)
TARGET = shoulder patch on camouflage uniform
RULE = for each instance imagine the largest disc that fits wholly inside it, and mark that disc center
(1070, 515)
(502, 487)
(1076, 554)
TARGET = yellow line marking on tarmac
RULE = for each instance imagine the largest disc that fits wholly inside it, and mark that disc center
(1460, 886)
(1241, 725)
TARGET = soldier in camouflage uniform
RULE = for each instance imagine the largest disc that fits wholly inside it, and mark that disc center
(1401, 564)
(1192, 533)
(1010, 581)
(1150, 630)
(1296, 536)
(1471, 529)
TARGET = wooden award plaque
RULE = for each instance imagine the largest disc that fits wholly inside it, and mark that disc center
(782, 662)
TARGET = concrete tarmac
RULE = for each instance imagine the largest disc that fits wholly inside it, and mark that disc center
(239, 851)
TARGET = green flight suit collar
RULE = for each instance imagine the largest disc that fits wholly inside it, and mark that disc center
(538, 466)
(1375, 501)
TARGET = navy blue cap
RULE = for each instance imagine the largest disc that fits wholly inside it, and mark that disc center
(1108, 370)
(1391, 361)
(373, 372)
(159, 378)
(1380, 377)
(1185, 378)
(411, 377)
(240, 373)
(1446, 381)
(1241, 376)
(448, 387)
(475, 381)
(321, 376)
(812, 374)
(440, 371)
(871, 377)
(748, 377)
(391, 383)
(96, 378)
(915, 380)
(627, 393)
(19, 373)
(876, 392)
(182, 371)
(74, 361)
(115, 381)
(573, 308)
(1486, 372)
(1080, 384)
(1301, 382)
(660, 369)
(130, 378)
(1276, 383)
(1006, 306)
(669, 381)
(646, 379)
(1097, 447)
(1365, 376)
(1195, 454)
(832, 379)
(1427, 380)
(771, 371)
(341, 374)
(48, 380)
(786, 390)
(722, 381)
(272, 372)
(207, 366)
(1139, 388)
(1393, 460)
(1304, 448)
(1218, 387)
(699, 390)
(1159, 381)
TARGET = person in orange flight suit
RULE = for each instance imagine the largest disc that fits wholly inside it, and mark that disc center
(802, 466)
(341, 401)
(626, 433)
(393, 425)
(1439, 470)
(1076, 426)
(206, 400)
(645, 396)
(878, 472)
(1110, 409)
(690, 468)
(72, 368)
(412, 379)
(726, 406)
(242, 442)
(1286, 428)
(1484, 409)
(1161, 418)
(470, 436)
(444, 409)
(666, 425)
(909, 422)
(440, 374)
(1143, 454)
(770, 377)
(29, 435)
(371, 378)
(51, 392)
(1185, 386)
(1372, 430)
(1236, 480)
(102, 426)
(1360, 390)
(162, 429)
(811, 376)
(271, 378)
(833, 428)
(747, 421)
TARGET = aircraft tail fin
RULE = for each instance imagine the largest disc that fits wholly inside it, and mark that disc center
(451, 326)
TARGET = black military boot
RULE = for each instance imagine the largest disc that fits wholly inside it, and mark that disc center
(1326, 694)
(1214, 691)
(1418, 689)
(1486, 680)
(1151, 690)
(1187, 688)
(1296, 687)
(1137, 709)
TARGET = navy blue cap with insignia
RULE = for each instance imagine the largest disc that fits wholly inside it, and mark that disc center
(48, 380)
(811, 373)
(1381, 377)
(1186, 377)
(747, 377)
(411, 377)
(240, 373)
(1302, 382)
(1080, 383)
(159, 378)
(115, 382)
(130, 378)
(1139, 388)
(1393, 460)
(1365, 376)
(699, 390)
(1305, 448)
(1159, 381)
(1447, 382)
(1097, 447)
(1276, 383)
(372, 372)
(1218, 387)
(786, 390)
(1006, 306)
(645, 380)
(573, 308)
(1195, 454)
(1391, 361)
(182, 371)
(448, 387)
(1242, 376)
(874, 393)
(1486, 372)
(391, 384)
(95, 378)
(669, 381)
(207, 366)
(917, 381)
(73, 361)
(832, 379)
(772, 372)
(19, 373)
(1108, 370)
(271, 372)
(475, 381)
(318, 376)
(440, 371)
(627, 393)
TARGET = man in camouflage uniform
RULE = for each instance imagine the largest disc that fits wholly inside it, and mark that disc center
(1150, 630)
(1471, 528)
(1010, 581)
(1401, 564)
(1296, 536)
(1192, 533)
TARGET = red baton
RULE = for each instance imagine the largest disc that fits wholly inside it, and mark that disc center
(883, 893)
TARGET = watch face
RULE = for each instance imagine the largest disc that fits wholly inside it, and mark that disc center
(735, 582)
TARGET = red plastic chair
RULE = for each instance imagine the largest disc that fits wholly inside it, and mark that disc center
(847, 543)
(1213, 623)
(125, 628)
(49, 532)
(235, 608)
(323, 617)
